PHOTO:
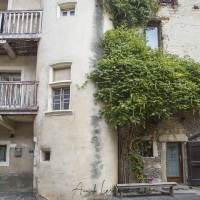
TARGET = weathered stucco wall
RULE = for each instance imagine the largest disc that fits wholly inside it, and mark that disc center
(181, 28)
(18, 176)
(24, 65)
(82, 147)
(25, 4)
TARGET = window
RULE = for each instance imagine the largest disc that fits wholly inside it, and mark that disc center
(61, 98)
(45, 155)
(59, 89)
(4, 153)
(153, 35)
(10, 77)
(165, 2)
(68, 12)
(146, 148)
(66, 9)
(3, 149)
(11, 89)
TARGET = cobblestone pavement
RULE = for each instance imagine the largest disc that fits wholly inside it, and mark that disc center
(16, 196)
(162, 197)
(29, 196)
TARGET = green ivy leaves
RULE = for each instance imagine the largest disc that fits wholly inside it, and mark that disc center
(138, 84)
(131, 12)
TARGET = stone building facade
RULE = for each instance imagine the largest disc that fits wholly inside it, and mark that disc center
(51, 135)
(178, 31)
(52, 139)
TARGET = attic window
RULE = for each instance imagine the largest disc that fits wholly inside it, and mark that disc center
(66, 9)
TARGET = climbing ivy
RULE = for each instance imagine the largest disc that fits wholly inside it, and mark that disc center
(140, 86)
(131, 12)
(137, 85)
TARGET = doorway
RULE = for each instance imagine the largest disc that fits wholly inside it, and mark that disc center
(193, 152)
(174, 162)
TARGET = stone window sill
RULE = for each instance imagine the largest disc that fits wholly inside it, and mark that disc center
(4, 164)
(58, 113)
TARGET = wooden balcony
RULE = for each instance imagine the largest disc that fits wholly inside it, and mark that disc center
(20, 32)
(18, 97)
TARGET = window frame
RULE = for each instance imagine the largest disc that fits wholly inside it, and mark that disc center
(11, 75)
(66, 7)
(4, 146)
(68, 12)
(56, 84)
(7, 144)
(62, 98)
(157, 24)
(144, 148)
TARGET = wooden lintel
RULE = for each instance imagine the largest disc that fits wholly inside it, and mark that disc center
(7, 124)
(8, 49)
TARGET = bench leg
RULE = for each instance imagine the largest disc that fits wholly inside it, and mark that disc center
(171, 191)
(120, 193)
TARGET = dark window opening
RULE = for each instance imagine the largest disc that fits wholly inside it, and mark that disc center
(46, 155)
(165, 2)
(146, 148)
(3, 149)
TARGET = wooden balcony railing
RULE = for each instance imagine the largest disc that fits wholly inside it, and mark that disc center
(18, 95)
(20, 22)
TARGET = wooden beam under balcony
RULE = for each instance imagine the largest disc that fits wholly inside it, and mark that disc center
(8, 48)
(7, 123)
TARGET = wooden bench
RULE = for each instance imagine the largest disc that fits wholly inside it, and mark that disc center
(120, 187)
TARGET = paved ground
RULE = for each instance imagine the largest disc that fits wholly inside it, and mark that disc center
(29, 196)
(176, 197)
(16, 196)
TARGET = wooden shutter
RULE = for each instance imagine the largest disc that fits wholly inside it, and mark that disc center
(193, 151)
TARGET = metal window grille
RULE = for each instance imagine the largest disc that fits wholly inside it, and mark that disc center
(61, 99)
(146, 148)
(3, 149)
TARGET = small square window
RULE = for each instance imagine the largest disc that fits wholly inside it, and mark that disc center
(66, 9)
(72, 12)
(64, 13)
(68, 12)
(61, 98)
(146, 148)
(46, 155)
(3, 149)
